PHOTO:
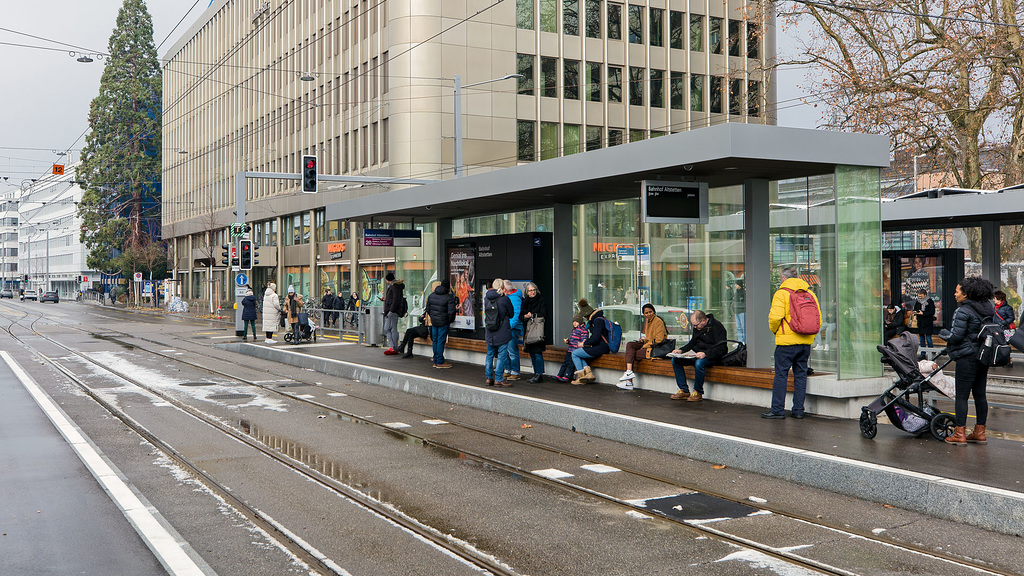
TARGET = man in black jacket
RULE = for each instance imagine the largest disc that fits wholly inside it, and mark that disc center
(392, 311)
(441, 311)
(709, 346)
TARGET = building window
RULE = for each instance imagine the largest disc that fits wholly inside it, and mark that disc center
(375, 131)
(676, 90)
(527, 140)
(614, 84)
(593, 81)
(524, 14)
(571, 139)
(657, 88)
(696, 93)
(571, 17)
(715, 35)
(593, 16)
(571, 79)
(524, 67)
(636, 24)
(753, 40)
(636, 86)
(548, 140)
(696, 33)
(736, 97)
(715, 95)
(753, 98)
(614, 136)
(637, 135)
(549, 70)
(657, 17)
(593, 138)
(386, 144)
(548, 16)
(675, 30)
(614, 21)
(735, 26)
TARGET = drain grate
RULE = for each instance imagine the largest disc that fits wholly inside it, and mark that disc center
(229, 396)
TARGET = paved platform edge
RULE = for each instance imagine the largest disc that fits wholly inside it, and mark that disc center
(990, 508)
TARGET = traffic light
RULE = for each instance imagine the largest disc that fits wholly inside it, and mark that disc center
(255, 253)
(245, 254)
(225, 255)
(309, 174)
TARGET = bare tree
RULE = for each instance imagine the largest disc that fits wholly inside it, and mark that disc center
(937, 77)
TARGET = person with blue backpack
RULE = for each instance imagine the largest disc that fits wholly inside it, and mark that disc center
(594, 346)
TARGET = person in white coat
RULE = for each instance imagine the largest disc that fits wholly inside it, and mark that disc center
(272, 311)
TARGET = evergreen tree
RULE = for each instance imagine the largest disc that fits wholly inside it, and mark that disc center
(121, 163)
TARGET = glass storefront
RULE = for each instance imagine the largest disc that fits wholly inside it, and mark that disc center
(299, 278)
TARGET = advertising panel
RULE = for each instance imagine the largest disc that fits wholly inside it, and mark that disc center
(462, 273)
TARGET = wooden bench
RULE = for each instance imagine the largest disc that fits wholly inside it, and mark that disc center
(738, 375)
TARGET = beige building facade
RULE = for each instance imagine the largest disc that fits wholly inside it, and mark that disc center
(367, 86)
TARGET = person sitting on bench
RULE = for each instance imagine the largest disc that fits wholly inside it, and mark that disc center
(708, 344)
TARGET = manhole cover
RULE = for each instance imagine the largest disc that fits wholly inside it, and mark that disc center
(229, 396)
(197, 383)
(697, 506)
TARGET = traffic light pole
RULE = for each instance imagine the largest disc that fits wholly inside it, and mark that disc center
(238, 284)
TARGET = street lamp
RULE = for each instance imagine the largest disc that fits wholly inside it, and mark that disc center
(458, 114)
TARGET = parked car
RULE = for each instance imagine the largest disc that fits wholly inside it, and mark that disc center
(50, 296)
(6, 293)
(29, 295)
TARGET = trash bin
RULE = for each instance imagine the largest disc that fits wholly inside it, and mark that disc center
(371, 325)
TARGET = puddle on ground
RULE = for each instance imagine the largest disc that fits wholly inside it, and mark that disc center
(113, 340)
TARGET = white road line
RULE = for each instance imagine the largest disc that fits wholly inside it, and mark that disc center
(600, 468)
(552, 473)
(159, 539)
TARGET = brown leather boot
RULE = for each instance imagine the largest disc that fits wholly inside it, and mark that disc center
(958, 438)
(977, 436)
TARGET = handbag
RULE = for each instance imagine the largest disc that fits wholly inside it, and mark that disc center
(1017, 340)
(281, 318)
(911, 320)
(534, 330)
(661, 349)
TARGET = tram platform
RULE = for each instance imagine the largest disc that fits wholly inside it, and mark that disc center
(976, 484)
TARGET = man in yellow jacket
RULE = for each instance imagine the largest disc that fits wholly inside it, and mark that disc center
(792, 349)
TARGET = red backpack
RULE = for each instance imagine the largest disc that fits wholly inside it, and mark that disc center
(804, 315)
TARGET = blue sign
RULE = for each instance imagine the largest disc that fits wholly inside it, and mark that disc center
(241, 280)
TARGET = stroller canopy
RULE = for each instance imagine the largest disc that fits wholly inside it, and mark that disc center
(901, 353)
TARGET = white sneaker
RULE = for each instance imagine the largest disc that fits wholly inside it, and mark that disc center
(627, 375)
(625, 385)
(269, 341)
(819, 347)
(826, 347)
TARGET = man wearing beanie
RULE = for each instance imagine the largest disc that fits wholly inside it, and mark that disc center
(392, 311)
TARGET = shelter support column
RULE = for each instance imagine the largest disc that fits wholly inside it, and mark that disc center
(562, 286)
(991, 261)
(442, 232)
(757, 272)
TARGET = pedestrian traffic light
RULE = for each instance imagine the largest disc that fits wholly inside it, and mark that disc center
(255, 253)
(225, 255)
(245, 254)
(309, 174)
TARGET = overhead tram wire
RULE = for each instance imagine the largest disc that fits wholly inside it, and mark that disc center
(194, 4)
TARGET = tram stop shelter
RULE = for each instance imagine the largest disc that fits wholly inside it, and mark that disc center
(777, 197)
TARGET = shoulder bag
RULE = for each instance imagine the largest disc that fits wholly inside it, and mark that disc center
(661, 349)
(534, 330)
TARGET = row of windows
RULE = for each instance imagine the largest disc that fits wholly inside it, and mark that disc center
(575, 139)
(657, 32)
(601, 80)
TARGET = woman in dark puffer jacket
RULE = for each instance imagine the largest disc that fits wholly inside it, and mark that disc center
(975, 298)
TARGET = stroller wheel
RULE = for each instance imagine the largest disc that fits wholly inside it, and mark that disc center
(287, 336)
(942, 425)
(868, 424)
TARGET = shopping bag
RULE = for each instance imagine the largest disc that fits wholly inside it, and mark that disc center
(534, 330)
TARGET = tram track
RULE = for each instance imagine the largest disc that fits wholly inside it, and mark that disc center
(707, 530)
(120, 338)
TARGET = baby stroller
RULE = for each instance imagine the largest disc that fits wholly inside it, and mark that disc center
(897, 402)
(307, 330)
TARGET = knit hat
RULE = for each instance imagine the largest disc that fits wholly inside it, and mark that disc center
(390, 277)
(585, 308)
(291, 289)
(248, 292)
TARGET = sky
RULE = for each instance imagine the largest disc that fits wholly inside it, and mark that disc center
(45, 97)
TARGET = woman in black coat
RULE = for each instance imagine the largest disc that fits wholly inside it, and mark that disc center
(975, 298)
(533, 307)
